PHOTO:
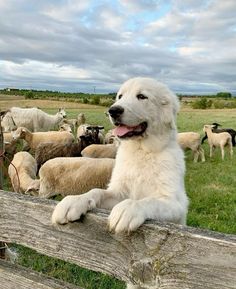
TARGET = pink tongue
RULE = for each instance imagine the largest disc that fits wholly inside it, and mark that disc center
(122, 130)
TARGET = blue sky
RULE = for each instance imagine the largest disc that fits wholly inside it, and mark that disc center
(75, 45)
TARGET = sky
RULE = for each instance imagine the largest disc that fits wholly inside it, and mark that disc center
(92, 45)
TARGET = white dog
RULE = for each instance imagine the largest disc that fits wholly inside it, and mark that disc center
(148, 178)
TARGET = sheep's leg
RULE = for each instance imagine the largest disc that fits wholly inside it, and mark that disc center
(196, 155)
(211, 149)
(202, 154)
(230, 148)
(222, 152)
(72, 207)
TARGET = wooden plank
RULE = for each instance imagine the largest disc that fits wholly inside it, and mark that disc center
(18, 277)
(155, 256)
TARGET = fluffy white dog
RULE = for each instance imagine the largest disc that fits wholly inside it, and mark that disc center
(148, 178)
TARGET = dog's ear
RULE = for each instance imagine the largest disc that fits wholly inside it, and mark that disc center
(170, 109)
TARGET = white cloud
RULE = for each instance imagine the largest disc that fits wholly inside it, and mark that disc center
(68, 44)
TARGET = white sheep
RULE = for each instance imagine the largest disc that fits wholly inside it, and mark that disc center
(22, 172)
(33, 139)
(109, 137)
(221, 140)
(7, 122)
(65, 127)
(10, 145)
(192, 141)
(81, 119)
(100, 151)
(72, 122)
(32, 118)
(74, 176)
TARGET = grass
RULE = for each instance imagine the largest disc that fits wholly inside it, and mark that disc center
(211, 188)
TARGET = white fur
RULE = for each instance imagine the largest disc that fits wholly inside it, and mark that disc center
(221, 140)
(22, 172)
(191, 140)
(148, 178)
(32, 118)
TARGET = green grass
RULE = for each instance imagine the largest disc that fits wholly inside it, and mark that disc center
(211, 188)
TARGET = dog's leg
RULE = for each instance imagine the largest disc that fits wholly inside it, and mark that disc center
(72, 207)
(129, 214)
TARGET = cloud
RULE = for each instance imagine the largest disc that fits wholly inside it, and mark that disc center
(73, 45)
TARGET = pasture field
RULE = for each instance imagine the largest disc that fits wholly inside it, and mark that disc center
(211, 186)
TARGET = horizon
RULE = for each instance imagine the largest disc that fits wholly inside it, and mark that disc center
(97, 45)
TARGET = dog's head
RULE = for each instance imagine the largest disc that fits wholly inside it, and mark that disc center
(143, 106)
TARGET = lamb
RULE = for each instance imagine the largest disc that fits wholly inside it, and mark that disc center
(51, 150)
(10, 145)
(100, 151)
(65, 127)
(73, 176)
(221, 139)
(81, 119)
(109, 137)
(33, 139)
(33, 119)
(94, 130)
(215, 129)
(7, 122)
(23, 166)
(192, 141)
(73, 122)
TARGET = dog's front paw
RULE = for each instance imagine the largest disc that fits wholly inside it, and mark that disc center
(71, 208)
(126, 216)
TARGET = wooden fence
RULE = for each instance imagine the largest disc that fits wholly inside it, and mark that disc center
(155, 256)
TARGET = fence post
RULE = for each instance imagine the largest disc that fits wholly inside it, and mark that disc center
(2, 245)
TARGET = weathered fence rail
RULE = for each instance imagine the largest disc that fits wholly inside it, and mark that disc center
(155, 256)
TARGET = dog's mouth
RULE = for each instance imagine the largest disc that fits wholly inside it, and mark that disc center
(125, 131)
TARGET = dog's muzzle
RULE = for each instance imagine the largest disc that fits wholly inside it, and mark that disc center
(116, 111)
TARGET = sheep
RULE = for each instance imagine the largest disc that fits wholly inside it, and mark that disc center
(221, 139)
(32, 118)
(73, 176)
(33, 139)
(22, 172)
(10, 145)
(192, 141)
(65, 127)
(94, 130)
(109, 137)
(50, 150)
(81, 119)
(215, 129)
(71, 122)
(100, 151)
(7, 122)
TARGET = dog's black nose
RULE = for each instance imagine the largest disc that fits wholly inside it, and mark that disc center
(115, 111)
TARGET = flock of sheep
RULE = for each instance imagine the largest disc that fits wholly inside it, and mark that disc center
(78, 156)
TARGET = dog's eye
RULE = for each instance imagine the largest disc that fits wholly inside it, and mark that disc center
(141, 96)
(119, 96)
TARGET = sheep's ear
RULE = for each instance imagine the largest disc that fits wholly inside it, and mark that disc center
(100, 127)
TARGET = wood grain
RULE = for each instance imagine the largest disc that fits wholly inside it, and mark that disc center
(155, 256)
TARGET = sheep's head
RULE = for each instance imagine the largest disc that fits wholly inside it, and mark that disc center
(19, 133)
(65, 127)
(81, 118)
(208, 127)
(62, 112)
